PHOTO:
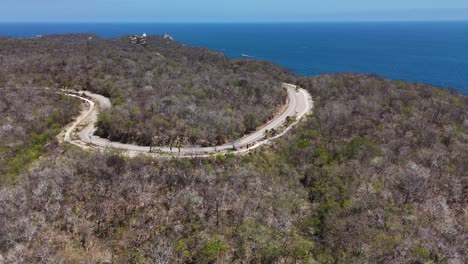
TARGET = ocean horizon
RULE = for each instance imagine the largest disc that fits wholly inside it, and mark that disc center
(434, 53)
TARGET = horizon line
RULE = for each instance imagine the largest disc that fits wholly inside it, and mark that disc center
(247, 22)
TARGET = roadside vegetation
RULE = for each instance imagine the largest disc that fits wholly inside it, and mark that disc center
(30, 120)
(376, 175)
(163, 94)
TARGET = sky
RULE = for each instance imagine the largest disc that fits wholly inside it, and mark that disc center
(230, 10)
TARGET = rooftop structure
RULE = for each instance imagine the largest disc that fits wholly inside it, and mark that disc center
(138, 40)
(166, 36)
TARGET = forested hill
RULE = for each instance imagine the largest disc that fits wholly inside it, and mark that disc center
(163, 92)
(378, 174)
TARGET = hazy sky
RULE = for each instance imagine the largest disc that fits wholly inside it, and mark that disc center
(231, 10)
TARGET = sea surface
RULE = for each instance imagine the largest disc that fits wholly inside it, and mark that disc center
(427, 52)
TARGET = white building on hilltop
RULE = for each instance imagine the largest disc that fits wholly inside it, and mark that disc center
(166, 36)
(140, 40)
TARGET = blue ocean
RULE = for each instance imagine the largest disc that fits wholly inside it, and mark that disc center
(427, 52)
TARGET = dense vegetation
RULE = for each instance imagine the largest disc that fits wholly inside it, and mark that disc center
(377, 174)
(385, 163)
(30, 119)
(164, 93)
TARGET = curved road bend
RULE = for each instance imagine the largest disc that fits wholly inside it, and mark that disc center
(300, 103)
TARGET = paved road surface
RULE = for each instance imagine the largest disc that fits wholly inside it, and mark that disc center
(299, 104)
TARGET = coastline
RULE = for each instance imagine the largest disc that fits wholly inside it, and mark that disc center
(388, 49)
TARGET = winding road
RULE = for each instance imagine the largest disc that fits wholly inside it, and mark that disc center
(81, 131)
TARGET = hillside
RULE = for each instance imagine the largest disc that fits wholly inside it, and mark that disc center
(163, 94)
(30, 119)
(377, 174)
